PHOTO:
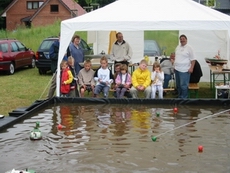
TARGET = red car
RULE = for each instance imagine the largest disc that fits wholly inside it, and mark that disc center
(13, 55)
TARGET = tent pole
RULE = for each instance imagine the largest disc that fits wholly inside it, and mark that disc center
(228, 47)
(97, 42)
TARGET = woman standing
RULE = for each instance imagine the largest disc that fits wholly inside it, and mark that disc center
(76, 52)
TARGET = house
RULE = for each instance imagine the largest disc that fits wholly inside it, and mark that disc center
(219, 5)
(39, 12)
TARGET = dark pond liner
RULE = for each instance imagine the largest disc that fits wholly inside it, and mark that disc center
(20, 114)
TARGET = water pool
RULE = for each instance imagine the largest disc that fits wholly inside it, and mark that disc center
(117, 138)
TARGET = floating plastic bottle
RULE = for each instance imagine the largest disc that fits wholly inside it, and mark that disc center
(36, 134)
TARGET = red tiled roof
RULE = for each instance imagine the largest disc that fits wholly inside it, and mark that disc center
(72, 5)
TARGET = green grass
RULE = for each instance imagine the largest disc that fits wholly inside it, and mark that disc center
(33, 37)
(21, 89)
(163, 37)
(204, 92)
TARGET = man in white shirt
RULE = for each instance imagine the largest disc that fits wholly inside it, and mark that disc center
(184, 64)
(121, 51)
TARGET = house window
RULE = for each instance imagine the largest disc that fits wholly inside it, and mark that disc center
(33, 4)
(53, 8)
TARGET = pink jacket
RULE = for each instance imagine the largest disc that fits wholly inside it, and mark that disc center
(128, 80)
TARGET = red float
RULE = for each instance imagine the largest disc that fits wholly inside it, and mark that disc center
(175, 110)
(59, 126)
(200, 148)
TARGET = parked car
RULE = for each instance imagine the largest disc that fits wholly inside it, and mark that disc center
(43, 62)
(13, 55)
(152, 48)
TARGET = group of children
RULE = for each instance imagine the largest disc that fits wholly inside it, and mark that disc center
(102, 80)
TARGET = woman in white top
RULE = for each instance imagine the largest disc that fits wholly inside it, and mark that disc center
(157, 78)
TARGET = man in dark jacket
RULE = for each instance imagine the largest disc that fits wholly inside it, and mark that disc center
(53, 53)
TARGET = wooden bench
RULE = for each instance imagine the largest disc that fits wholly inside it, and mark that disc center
(169, 89)
(193, 89)
(113, 90)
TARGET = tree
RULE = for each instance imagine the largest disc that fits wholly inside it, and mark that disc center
(4, 4)
(81, 2)
(210, 3)
(88, 2)
(105, 2)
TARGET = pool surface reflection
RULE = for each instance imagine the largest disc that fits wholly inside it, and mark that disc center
(117, 138)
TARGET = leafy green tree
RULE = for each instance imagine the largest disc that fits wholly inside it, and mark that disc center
(210, 3)
(88, 2)
(4, 4)
(102, 3)
(81, 2)
(105, 2)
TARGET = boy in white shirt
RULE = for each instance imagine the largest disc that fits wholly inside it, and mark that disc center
(103, 78)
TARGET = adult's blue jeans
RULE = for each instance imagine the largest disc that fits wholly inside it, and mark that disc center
(167, 78)
(182, 83)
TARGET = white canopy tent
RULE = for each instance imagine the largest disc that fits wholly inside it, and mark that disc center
(147, 15)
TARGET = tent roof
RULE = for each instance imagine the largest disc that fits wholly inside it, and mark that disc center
(144, 15)
(127, 15)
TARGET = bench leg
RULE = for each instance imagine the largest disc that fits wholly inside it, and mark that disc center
(195, 91)
(197, 94)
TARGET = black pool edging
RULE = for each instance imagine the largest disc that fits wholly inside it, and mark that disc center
(173, 102)
(22, 113)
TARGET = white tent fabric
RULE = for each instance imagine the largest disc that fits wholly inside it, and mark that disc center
(207, 44)
(143, 15)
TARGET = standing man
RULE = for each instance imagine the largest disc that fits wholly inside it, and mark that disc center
(53, 54)
(184, 64)
(76, 52)
(121, 51)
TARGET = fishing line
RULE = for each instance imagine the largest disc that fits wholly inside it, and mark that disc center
(193, 122)
(47, 86)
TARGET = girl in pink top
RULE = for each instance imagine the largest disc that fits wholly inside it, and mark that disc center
(123, 81)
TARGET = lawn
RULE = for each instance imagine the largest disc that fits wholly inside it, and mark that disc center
(26, 86)
(22, 89)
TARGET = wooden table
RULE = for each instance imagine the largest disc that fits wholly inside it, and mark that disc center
(217, 74)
